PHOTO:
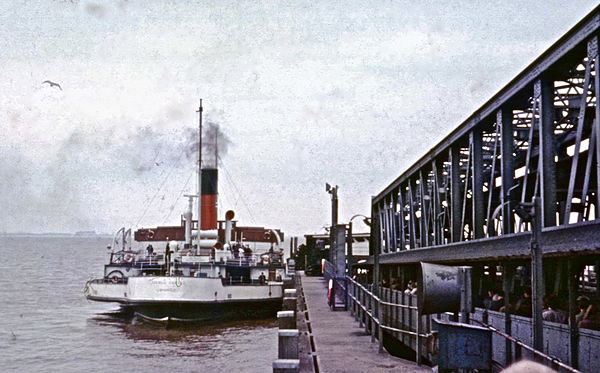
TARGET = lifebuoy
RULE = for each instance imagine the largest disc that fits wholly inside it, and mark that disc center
(150, 234)
(128, 258)
(114, 279)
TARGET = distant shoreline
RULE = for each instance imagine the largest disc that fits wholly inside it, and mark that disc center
(63, 235)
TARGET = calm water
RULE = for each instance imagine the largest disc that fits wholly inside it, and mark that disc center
(46, 324)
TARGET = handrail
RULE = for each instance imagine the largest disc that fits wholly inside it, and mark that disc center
(379, 300)
(379, 323)
(382, 302)
(553, 360)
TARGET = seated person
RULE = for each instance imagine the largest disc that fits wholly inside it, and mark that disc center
(591, 320)
(523, 306)
(583, 303)
(497, 301)
(553, 313)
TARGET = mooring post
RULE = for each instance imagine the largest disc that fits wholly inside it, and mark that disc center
(286, 366)
(289, 303)
(286, 319)
(290, 293)
(288, 343)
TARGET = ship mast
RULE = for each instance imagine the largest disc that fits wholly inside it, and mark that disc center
(199, 111)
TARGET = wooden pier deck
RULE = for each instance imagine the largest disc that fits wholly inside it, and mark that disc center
(340, 344)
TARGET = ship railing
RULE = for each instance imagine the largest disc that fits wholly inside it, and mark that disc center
(240, 280)
(243, 261)
(112, 280)
(136, 258)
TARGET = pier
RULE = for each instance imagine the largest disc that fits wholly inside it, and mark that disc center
(507, 208)
(341, 344)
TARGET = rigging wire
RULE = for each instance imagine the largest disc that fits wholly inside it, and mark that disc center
(160, 187)
(228, 176)
(179, 196)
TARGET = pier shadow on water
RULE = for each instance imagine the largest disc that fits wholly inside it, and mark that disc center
(137, 328)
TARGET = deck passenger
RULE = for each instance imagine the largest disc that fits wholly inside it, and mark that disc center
(395, 284)
(583, 303)
(409, 288)
(553, 313)
(523, 306)
(414, 289)
(591, 320)
(487, 301)
(262, 279)
(497, 301)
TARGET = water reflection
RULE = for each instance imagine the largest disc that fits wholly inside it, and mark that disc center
(137, 329)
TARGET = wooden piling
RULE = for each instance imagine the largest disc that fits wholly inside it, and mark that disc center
(286, 366)
(289, 304)
(286, 319)
(290, 293)
(288, 343)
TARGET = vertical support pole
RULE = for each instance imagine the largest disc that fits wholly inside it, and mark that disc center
(373, 326)
(578, 135)
(573, 274)
(597, 270)
(537, 276)
(418, 339)
(390, 231)
(547, 153)
(466, 293)
(380, 317)
(438, 229)
(349, 244)
(593, 53)
(491, 231)
(455, 203)
(477, 204)
(424, 220)
(507, 282)
(375, 243)
(411, 217)
(199, 111)
(504, 119)
(401, 219)
(394, 219)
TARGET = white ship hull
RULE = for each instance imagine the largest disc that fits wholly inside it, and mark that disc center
(168, 296)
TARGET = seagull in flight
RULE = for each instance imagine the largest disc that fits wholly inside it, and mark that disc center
(52, 84)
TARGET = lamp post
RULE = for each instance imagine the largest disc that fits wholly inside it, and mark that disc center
(334, 218)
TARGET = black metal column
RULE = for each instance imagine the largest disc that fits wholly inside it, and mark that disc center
(504, 119)
(478, 209)
(547, 152)
(455, 202)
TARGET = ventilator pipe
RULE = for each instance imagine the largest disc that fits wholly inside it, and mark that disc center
(209, 234)
(207, 243)
(277, 238)
(187, 215)
(229, 215)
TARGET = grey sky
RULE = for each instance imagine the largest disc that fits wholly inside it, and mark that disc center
(345, 92)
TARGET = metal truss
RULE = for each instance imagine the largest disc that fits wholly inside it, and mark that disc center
(539, 136)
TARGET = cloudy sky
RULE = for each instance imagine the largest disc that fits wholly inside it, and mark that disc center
(306, 92)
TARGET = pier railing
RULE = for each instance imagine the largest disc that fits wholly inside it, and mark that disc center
(388, 310)
(395, 313)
